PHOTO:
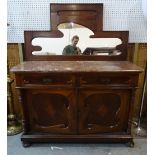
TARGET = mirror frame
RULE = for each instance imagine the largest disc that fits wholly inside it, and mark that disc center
(76, 13)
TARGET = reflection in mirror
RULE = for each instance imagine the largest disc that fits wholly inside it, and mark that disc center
(87, 45)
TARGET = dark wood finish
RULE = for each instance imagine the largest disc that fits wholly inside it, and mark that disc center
(71, 99)
(113, 138)
(51, 111)
(77, 13)
(90, 104)
(88, 15)
(103, 111)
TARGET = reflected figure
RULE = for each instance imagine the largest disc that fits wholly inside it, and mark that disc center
(72, 49)
(88, 45)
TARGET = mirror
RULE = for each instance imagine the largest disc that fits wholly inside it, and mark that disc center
(87, 45)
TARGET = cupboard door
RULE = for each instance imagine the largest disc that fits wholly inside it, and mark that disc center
(103, 111)
(52, 111)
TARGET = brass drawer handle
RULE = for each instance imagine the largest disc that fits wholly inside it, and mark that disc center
(70, 81)
(26, 81)
(83, 82)
(105, 81)
(47, 80)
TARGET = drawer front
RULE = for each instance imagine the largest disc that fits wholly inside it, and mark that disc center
(47, 80)
(105, 80)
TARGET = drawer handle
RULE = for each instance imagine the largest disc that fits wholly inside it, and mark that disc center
(26, 81)
(105, 81)
(47, 80)
(83, 82)
(70, 81)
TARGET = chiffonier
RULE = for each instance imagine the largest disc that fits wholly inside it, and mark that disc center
(84, 98)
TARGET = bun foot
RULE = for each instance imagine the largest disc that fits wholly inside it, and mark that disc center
(26, 144)
(131, 143)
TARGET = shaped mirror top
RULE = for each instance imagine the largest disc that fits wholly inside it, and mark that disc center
(81, 44)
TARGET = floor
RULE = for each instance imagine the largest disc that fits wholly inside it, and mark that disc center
(14, 147)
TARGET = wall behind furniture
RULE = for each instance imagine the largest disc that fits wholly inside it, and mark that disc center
(35, 15)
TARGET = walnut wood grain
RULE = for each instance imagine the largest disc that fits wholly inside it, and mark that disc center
(76, 98)
(79, 14)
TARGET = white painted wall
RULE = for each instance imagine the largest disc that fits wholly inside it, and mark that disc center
(35, 15)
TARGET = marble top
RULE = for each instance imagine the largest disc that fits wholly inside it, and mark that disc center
(76, 66)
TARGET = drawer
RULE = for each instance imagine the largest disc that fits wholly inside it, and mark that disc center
(47, 80)
(105, 80)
